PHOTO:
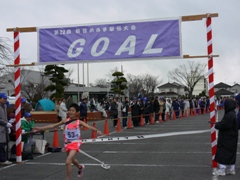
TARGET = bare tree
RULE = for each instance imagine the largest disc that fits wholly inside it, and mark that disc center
(150, 84)
(188, 75)
(6, 57)
(101, 83)
(134, 85)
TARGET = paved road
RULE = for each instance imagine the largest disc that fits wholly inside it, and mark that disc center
(179, 157)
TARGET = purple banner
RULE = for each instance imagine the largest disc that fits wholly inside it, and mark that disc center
(110, 42)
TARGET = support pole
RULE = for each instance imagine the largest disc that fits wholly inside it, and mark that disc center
(18, 98)
(211, 90)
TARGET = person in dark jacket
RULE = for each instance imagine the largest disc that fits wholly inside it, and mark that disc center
(156, 108)
(237, 98)
(227, 140)
(147, 111)
(176, 107)
(83, 109)
(125, 112)
(135, 111)
(114, 111)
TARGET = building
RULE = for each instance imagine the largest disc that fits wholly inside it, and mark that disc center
(202, 85)
(222, 89)
(171, 90)
(235, 88)
(32, 81)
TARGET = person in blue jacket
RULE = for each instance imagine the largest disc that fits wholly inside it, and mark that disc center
(176, 107)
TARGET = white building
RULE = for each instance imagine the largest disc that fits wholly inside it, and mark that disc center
(201, 86)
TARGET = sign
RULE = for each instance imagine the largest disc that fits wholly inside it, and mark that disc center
(153, 39)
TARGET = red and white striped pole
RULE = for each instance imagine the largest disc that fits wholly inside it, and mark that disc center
(211, 90)
(18, 98)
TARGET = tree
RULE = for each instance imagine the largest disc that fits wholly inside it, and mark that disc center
(6, 57)
(188, 75)
(119, 83)
(145, 84)
(56, 74)
(102, 83)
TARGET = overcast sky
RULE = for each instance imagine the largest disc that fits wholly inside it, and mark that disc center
(226, 30)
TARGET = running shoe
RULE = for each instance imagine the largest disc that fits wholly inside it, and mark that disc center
(80, 170)
(231, 172)
(219, 172)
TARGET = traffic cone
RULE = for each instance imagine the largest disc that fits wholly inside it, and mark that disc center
(160, 118)
(84, 128)
(180, 114)
(141, 120)
(94, 133)
(186, 113)
(106, 130)
(167, 117)
(118, 128)
(174, 115)
(195, 112)
(129, 123)
(151, 119)
(55, 139)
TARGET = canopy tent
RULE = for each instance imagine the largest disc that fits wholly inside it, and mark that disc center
(45, 105)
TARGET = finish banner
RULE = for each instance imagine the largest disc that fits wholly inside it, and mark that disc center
(153, 39)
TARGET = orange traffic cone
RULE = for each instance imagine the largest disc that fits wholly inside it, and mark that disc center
(106, 130)
(185, 113)
(84, 128)
(174, 115)
(151, 119)
(141, 120)
(129, 123)
(167, 117)
(94, 133)
(180, 114)
(118, 128)
(160, 118)
(55, 139)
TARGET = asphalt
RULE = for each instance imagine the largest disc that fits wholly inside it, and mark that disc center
(178, 157)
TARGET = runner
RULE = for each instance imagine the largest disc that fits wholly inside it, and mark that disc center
(71, 133)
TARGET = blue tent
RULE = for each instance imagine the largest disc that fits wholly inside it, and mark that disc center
(45, 105)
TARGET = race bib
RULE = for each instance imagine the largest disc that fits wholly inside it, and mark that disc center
(72, 134)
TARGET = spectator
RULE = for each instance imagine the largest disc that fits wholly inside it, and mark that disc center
(27, 123)
(147, 111)
(207, 104)
(69, 101)
(156, 109)
(114, 111)
(125, 112)
(237, 98)
(58, 109)
(162, 108)
(202, 105)
(168, 108)
(186, 106)
(227, 140)
(100, 107)
(182, 106)
(191, 106)
(83, 109)
(63, 112)
(176, 107)
(26, 107)
(135, 111)
(4, 125)
(120, 106)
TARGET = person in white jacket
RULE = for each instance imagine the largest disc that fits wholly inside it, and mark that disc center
(168, 108)
(63, 112)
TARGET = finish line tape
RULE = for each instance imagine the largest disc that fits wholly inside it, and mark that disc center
(141, 136)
